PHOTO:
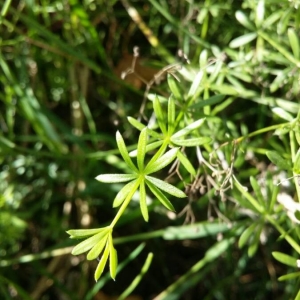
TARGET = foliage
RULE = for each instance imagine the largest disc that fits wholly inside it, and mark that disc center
(220, 124)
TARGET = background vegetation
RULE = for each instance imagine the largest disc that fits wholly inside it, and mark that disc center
(62, 101)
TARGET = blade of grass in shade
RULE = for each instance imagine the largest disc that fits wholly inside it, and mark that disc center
(20, 292)
(189, 279)
(54, 40)
(166, 13)
(137, 279)
(31, 108)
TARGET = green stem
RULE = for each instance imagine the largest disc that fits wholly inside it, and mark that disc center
(160, 151)
(287, 237)
(126, 202)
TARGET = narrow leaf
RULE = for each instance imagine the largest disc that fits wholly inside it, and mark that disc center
(166, 187)
(174, 87)
(257, 191)
(122, 194)
(160, 196)
(188, 128)
(195, 87)
(186, 163)
(278, 160)
(243, 40)
(143, 203)
(124, 152)
(149, 147)
(294, 42)
(244, 20)
(289, 277)
(159, 116)
(113, 178)
(141, 149)
(135, 123)
(246, 235)
(83, 233)
(171, 116)
(97, 249)
(113, 262)
(102, 263)
(191, 142)
(161, 162)
(89, 243)
(285, 259)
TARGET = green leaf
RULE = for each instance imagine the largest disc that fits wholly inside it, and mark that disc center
(113, 262)
(135, 123)
(255, 242)
(160, 196)
(159, 116)
(102, 263)
(210, 101)
(296, 167)
(122, 194)
(195, 231)
(171, 116)
(244, 20)
(260, 13)
(174, 87)
(196, 87)
(278, 160)
(257, 191)
(83, 233)
(186, 163)
(294, 42)
(89, 243)
(188, 129)
(285, 259)
(141, 149)
(289, 277)
(246, 235)
(191, 142)
(161, 162)
(113, 258)
(97, 249)
(149, 147)
(113, 178)
(243, 40)
(166, 187)
(143, 203)
(124, 152)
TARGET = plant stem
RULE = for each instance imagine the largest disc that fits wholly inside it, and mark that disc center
(126, 202)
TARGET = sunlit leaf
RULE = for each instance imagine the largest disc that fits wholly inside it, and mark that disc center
(294, 42)
(244, 20)
(160, 196)
(188, 128)
(166, 187)
(186, 163)
(191, 142)
(243, 40)
(113, 262)
(285, 259)
(83, 233)
(174, 87)
(141, 149)
(113, 178)
(102, 263)
(124, 152)
(122, 194)
(289, 276)
(97, 249)
(161, 162)
(143, 203)
(89, 243)
(161, 120)
(171, 115)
